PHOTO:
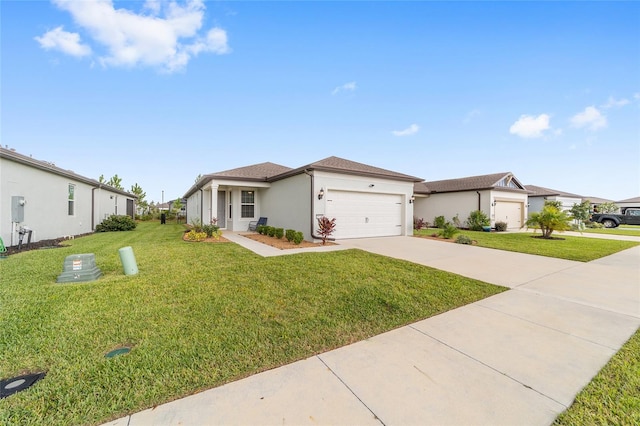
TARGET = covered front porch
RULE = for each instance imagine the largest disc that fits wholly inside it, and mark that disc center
(232, 205)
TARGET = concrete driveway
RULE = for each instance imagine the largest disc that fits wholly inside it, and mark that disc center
(516, 358)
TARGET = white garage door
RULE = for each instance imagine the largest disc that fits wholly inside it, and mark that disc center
(510, 212)
(363, 214)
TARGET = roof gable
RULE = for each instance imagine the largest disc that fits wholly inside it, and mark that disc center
(505, 180)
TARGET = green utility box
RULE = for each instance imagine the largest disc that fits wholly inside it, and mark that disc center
(79, 268)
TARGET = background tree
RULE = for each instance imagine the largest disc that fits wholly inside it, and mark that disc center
(609, 207)
(101, 179)
(580, 211)
(116, 182)
(142, 203)
(549, 219)
(198, 178)
(556, 204)
(177, 207)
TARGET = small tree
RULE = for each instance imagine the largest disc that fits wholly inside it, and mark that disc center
(177, 207)
(580, 211)
(549, 219)
(326, 227)
(142, 203)
(609, 207)
(556, 204)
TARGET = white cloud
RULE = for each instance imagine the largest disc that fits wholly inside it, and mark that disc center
(471, 115)
(529, 126)
(591, 118)
(347, 87)
(66, 42)
(167, 38)
(411, 130)
(611, 102)
(636, 95)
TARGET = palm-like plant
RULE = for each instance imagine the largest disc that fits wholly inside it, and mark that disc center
(326, 227)
(550, 219)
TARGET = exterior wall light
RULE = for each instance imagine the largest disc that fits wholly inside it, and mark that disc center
(321, 194)
(412, 199)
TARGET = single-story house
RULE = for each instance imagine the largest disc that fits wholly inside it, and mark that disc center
(629, 202)
(52, 202)
(538, 195)
(366, 201)
(596, 201)
(500, 196)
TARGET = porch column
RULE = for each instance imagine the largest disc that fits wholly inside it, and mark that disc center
(214, 202)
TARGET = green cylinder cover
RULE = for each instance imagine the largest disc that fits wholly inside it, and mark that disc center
(128, 261)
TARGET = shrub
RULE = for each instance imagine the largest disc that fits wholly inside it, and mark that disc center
(456, 221)
(477, 219)
(211, 230)
(271, 231)
(419, 223)
(439, 222)
(298, 237)
(196, 225)
(463, 239)
(194, 235)
(448, 231)
(594, 225)
(501, 226)
(260, 229)
(289, 234)
(116, 223)
(279, 233)
(326, 227)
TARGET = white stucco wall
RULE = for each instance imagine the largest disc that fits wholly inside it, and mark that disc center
(537, 203)
(344, 182)
(46, 203)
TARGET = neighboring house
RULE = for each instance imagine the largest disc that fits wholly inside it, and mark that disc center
(500, 196)
(629, 202)
(596, 201)
(51, 201)
(538, 195)
(366, 201)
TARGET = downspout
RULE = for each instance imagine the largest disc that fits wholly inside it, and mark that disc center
(201, 205)
(478, 192)
(93, 207)
(313, 216)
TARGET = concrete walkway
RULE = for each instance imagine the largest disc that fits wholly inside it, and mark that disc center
(518, 357)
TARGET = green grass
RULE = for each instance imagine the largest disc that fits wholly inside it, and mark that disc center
(613, 396)
(197, 315)
(571, 248)
(628, 230)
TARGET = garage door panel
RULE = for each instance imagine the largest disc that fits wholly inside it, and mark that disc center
(360, 214)
(509, 212)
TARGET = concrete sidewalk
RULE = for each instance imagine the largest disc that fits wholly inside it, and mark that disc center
(518, 357)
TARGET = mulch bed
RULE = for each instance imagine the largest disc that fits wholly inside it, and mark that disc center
(206, 240)
(42, 244)
(282, 243)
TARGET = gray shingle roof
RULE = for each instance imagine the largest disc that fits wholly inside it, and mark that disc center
(12, 155)
(630, 200)
(341, 165)
(539, 191)
(471, 183)
(262, 171)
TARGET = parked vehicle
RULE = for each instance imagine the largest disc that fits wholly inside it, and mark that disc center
(629, 216)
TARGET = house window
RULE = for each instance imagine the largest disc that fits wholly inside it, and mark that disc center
(247, 204)
(71, 200)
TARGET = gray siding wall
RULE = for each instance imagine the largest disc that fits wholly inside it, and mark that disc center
(287, 204)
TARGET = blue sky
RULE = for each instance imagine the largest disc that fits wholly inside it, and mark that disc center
(159, 92)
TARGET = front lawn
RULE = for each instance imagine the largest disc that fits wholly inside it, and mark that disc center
(571, 248)
(196, 316)
(613, 396)
(628, 230)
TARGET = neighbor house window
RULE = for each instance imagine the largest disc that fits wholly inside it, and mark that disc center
(247, 204)
(71, 199)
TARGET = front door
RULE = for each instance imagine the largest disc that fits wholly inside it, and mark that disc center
(222, 203)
